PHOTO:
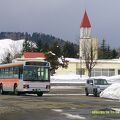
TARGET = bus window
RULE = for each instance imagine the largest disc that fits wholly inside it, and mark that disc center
(1, 73)
(35, 73)
(6, 73)
(16, 72)
(42, 73)
(20, 72)
(10, 73)
(46, 74)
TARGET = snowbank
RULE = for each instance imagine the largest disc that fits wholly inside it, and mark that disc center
(114, 79)
(73, 78)
(113, 91)
(68, 78)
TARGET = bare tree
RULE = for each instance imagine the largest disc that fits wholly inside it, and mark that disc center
(6, 58)
(14, 51)
(89, 53)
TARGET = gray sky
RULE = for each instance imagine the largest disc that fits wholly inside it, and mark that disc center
(62, 18)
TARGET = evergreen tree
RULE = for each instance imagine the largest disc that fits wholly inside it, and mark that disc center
(70, 50)
(108, 53)
(103, 49)
(56, 49)
(45, 47)
(27, 46)
(114, 54)
(53, 59)
(105, 52)
(35, 37)
(39, 46)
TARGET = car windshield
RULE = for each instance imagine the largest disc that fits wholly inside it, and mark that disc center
(100, 82)
(35, 73)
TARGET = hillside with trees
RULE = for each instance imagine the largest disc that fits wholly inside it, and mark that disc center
(55, 49)
(44, 43)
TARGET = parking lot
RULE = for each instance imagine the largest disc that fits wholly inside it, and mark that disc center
(59, 104)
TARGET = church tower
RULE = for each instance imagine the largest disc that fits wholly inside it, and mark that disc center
(85, 27)
(86, 40)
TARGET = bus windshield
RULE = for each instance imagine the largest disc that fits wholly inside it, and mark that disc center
(35, 73)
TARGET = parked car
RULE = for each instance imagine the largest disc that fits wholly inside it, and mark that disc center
(95, 86)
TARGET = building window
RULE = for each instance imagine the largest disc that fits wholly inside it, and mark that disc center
(103, 72)
(118, 72)
(111, 72)
(80, 71)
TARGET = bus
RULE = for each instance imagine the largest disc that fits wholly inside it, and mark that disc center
(25, 77)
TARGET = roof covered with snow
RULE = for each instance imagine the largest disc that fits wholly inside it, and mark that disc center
(76, 60)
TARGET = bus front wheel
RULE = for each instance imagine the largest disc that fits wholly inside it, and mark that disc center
(15, 90)
(39, 93)
(1, 89)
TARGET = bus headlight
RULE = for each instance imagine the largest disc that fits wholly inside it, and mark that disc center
(47, 86)
(26, 86)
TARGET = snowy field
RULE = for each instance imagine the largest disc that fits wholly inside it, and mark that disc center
(73, 78)
(69, 78)
(112, 92)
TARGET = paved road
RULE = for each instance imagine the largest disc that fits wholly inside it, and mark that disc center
(59, 104)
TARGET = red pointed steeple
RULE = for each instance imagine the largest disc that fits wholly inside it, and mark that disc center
(85, 21)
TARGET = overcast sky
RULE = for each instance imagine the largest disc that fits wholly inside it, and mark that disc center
(62, 18)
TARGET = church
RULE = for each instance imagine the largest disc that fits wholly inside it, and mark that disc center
(103, 67)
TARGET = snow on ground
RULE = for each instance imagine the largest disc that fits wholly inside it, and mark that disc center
(73, 78)
(68, 78)
(113, 91)
(113, 79)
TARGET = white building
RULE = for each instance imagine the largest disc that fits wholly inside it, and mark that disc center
(102, 68)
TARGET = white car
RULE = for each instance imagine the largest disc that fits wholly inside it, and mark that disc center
(95, 86)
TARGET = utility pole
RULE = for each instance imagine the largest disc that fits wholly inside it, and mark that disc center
(80, 66)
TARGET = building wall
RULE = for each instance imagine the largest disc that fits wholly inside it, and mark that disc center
(85, 46)
(70, 69)
(74, 67)
(107, 65)
(104, 65)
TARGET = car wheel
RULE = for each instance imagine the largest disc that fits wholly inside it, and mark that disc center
(95, 92)
(86, 92)
(39, 94)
